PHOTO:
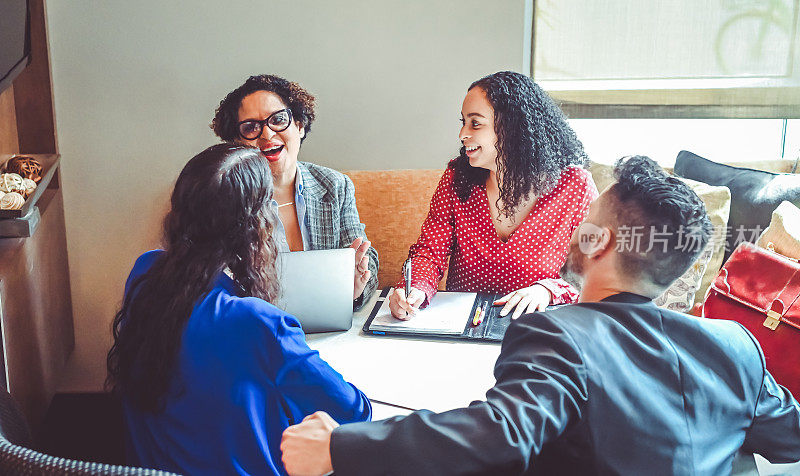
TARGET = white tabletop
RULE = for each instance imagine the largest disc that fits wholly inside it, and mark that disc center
(416, 373)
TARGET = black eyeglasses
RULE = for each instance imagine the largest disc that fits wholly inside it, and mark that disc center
(278, 121)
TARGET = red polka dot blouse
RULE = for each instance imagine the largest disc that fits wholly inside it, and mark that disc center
(479, 260)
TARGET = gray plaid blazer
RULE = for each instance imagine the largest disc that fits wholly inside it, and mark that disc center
(332, 216)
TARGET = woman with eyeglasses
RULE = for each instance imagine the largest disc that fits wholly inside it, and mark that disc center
(505, 208)
(315, 205)
(209, 372)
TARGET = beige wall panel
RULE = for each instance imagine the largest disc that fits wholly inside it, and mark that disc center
(136, 85)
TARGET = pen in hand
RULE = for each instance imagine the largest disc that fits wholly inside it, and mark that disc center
(407, 276)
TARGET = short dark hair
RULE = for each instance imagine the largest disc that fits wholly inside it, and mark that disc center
(670, 219)
(535, 143)
(300, 101)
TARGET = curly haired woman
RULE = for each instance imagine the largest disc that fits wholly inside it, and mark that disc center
(316, 206)
(210, 373)
(505, 208)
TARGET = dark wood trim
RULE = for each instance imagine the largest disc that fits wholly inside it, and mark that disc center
(33, 92)
(9, 144)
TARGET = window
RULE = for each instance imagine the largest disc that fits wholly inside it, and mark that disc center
(669, 59)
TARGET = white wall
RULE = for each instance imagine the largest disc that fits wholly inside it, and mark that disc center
(136, 84)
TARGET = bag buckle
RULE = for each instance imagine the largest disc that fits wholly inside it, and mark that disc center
(772, 320)
(774, 313)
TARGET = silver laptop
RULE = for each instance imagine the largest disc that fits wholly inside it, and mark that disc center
(317, 288)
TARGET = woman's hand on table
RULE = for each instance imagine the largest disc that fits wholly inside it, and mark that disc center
(534, 298)
(362, 273)
(405, 307)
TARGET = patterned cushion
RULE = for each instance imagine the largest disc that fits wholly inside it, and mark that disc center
(783, 231)
(718, 205)
(680, 294)
(602, 174)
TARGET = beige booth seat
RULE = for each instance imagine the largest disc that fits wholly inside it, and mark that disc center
(392, 205)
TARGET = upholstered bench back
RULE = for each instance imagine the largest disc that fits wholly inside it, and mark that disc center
(393, 204)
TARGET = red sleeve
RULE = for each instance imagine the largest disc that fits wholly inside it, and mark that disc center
(429, 254)
(585, 188)
(561, 292)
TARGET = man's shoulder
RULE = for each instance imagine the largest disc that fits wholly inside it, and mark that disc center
(569, 322)
(578, 323)
(588, 313)
(729, 336)
(589, 323)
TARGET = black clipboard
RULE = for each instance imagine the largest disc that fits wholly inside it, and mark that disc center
(491, 329)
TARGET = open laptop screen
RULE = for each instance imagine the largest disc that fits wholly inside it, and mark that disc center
(317, 288)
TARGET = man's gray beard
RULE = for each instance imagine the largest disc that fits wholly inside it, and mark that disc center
(570, 274)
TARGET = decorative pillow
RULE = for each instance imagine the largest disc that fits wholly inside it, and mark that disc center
(718, 203)
(783, 231)
(754, 193)
(603, 175)
(718, 206)
(680, 294)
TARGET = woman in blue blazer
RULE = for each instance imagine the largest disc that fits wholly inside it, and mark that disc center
(315, 205)
(210, 373)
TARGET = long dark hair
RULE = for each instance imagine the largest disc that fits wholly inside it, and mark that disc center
(219, 218)
(534, 142)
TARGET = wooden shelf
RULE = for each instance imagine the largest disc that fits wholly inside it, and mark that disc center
(35, 297)
(24, 222)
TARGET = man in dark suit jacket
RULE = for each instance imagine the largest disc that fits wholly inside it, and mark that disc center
(611, 385)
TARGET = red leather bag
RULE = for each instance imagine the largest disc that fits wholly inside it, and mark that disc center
(759, 289)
